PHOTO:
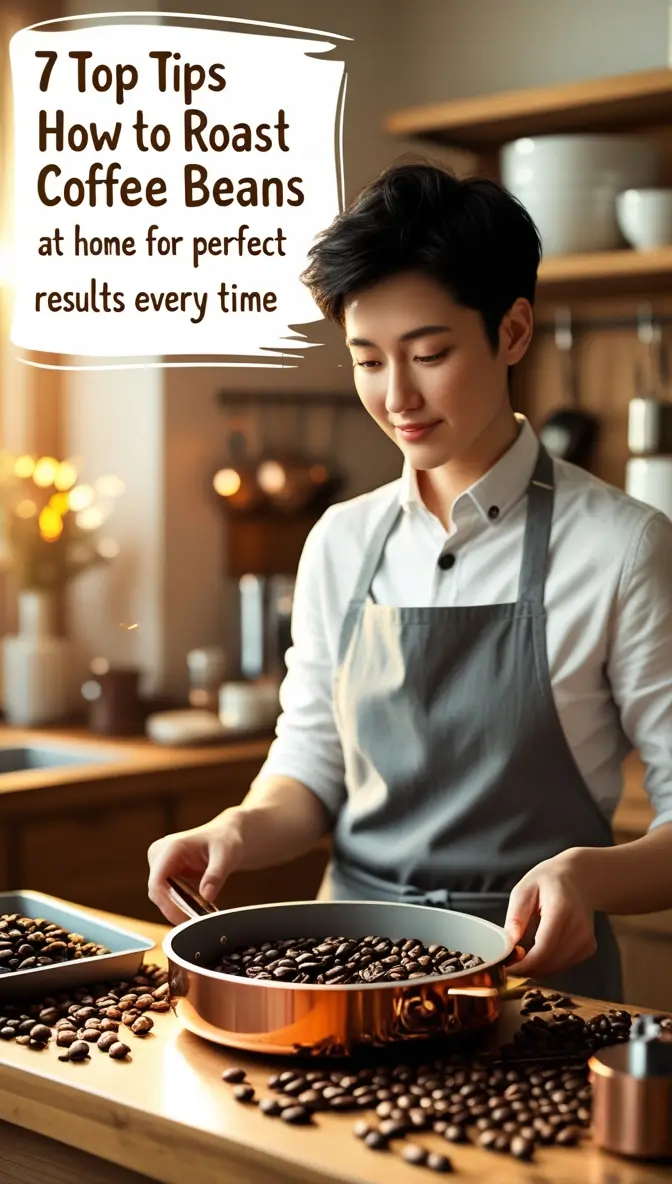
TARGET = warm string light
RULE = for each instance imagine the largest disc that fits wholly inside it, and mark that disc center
(58, 481)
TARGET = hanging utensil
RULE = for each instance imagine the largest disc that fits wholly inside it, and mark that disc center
(569, 433)
(236, 480)
(326, 477)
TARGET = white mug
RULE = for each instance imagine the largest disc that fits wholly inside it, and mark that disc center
(244, 706)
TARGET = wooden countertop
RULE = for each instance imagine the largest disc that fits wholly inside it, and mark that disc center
(122, 763)
(168, 1116)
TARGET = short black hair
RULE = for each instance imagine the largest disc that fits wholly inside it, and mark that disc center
(470, 234)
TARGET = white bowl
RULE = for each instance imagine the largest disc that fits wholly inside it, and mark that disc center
(645, 217)
(574, 222)
(571, 161)
(569, 185)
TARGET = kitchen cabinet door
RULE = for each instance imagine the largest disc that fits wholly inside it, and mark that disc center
(646, 950)
(94, 857)
(5, 885)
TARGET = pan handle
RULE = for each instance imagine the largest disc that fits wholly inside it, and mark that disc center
(475, 992)
(187, 898)
(516, 955)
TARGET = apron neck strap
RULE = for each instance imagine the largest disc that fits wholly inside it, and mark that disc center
(374, 553)
(537, 531)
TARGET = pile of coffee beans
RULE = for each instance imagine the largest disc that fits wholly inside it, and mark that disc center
(28, 942)
(86, 1017)
(533, 1093)
(537, 1000)
(330, 961)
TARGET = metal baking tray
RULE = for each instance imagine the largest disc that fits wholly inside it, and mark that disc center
(127, 954)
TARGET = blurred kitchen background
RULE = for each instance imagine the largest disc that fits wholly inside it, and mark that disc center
(184, 495)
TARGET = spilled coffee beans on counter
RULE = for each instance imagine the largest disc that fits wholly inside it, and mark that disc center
(29, 942)
(535, 1092)
(76, 1021)
(331, 961)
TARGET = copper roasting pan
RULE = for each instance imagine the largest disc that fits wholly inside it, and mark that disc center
(297, 1019)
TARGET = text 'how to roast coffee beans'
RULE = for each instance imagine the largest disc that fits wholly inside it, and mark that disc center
(534, 1093)
(89, 1017)
(29, 942)
(332, 961)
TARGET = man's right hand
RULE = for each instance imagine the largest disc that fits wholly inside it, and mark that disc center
(206, 855)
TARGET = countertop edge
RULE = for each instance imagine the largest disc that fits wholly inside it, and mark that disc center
(105, 1131)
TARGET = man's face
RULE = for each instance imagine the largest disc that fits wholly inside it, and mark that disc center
(426, 372)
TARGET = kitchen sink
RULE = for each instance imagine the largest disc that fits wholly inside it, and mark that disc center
(20, 759)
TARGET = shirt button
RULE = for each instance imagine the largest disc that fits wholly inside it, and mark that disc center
(493, 512)
(446, 561)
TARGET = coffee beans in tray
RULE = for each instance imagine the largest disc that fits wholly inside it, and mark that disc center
(29, 942)
(533, 1093)
(87, 1017)
(332, 961)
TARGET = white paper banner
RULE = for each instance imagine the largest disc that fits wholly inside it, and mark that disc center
(169, 182)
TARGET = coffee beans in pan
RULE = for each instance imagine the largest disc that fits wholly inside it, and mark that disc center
(534, 1093)
(78, 1021)
(332, 961)
(29, 942)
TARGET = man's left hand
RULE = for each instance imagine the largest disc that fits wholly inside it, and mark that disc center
(550, 894)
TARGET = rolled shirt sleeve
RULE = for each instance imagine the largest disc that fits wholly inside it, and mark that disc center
(640, 660)
(307, 745)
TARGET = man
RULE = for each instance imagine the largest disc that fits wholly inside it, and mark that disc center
(477, 645)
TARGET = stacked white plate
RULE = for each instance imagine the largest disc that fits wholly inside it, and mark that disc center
(569, 185)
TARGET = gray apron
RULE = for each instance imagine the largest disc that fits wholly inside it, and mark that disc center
(458, 774)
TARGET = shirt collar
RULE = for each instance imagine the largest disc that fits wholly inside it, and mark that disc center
(502, 486)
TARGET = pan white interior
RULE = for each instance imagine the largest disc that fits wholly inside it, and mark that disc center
(199, 942)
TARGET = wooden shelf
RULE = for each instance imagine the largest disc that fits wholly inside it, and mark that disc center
(483, 124)
(607, 270)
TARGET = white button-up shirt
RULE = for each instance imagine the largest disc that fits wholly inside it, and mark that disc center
(608, 605)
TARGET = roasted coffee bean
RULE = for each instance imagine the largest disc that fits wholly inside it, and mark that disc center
(270, 1107)
(376, 1141)
(244, 1093)
(119, 1051)
(309, 1097)
(568, 1136)
(66, 1039)
(29, 943)
(438, 1163)
(233, 1075)
(361, 1129)
(521, 1148)
(454, 1133)
(297, 1115)
(91, 1035)
(142, 1025)
(414, 1154)
(107, 1041)
(334, 961)
(392, 1129)
(78, 1051)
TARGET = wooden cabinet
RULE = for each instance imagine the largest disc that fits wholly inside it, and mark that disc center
(5, 885)
(646, 950)
(95, 857)
(89, 844)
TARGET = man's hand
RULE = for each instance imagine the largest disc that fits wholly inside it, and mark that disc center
(551, 895)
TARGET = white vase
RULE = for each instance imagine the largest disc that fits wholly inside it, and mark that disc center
(36, 666)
